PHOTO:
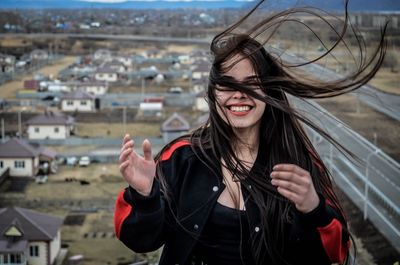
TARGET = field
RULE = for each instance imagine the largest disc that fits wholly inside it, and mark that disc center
(116, 130)
(10, 89)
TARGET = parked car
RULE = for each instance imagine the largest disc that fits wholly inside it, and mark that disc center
(84, 161)
(176, 90)
(71, 161)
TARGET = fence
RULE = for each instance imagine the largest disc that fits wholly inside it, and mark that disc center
(372, 184)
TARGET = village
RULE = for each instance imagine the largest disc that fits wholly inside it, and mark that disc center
(66, 105)
(62, 127)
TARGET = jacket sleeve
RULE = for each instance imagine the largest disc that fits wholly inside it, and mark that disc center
(143, 222)
(325, 229)
(139, 220)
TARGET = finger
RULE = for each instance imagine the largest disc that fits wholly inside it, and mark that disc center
(291, 168)
(291, 196)
(129, 144)
(287, 185)
(127, 137)
(287, 176)
(147, 150)
(124, 155)
(123, 166)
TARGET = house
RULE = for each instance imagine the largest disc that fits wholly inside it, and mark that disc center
(201, 103)
(174, 127)
(92, 87)
(50, 126)
(20, 157)
(32, 84)
(153, 53)
(199, 85)
(106, 74)
(23, 159)
(29, 237)
(199, 55)
(79, 101)
(200, 70)
(151, 107)
(39, 55)
(125, 60)
(102, 55)
(116, 65)
(7, 63)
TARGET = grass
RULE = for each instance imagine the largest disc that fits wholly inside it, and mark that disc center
(387, 81)
(116, 130)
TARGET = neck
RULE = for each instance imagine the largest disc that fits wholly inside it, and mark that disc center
(247, 145)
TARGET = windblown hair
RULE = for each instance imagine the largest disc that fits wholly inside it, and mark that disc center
(282, 136)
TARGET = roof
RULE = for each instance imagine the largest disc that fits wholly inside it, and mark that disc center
(35, 226)
(31, 84)
(17, 148)
(50, 118)
(78, 95)
(175, 123)
(106, 70)
(14, 148)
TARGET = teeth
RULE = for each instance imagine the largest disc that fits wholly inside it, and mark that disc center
(240, 108)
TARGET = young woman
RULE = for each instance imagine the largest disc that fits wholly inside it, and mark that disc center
(247, 187)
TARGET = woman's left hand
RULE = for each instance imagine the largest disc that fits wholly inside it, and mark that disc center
(295, 184)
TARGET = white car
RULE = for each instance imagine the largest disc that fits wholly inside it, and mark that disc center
(84, 161)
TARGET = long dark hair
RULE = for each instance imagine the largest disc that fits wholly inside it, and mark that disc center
(282, 137)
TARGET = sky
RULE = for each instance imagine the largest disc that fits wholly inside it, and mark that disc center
(354, 5)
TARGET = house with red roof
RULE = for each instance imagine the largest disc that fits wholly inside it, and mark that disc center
(29, 237)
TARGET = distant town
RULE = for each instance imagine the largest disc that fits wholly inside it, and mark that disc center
(74, 82)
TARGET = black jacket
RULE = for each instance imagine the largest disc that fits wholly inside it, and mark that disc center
(146, 223)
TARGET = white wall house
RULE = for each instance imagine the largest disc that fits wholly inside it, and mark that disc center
(50, 126)
(78, 101)
(200, 70)
(102, 55)
(201, 103)
(106, 74)
(95, 88)
(20, 157)
(29, 237)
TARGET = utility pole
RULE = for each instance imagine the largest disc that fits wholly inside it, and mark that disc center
(19, 125)
(2, 131)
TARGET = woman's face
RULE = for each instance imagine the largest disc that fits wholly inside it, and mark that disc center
(243, 111)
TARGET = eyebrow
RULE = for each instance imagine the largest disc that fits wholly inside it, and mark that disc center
(248, 78)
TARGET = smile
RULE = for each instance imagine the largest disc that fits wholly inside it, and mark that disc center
(239, 110)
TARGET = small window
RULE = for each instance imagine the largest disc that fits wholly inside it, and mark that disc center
(34, 251)
(37, 129)
(83, 102)
(70, 103)
(56, 129)
(19, 164)
(1, 164)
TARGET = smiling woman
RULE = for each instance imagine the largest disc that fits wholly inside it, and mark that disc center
(248, 186)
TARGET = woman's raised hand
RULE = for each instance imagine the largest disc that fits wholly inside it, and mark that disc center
(295, 184)
(138, 171)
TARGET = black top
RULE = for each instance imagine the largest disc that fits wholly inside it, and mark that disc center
(225, 238)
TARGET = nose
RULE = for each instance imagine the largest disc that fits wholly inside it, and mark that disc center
(239, 94)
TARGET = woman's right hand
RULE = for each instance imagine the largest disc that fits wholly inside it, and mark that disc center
(138, 171)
